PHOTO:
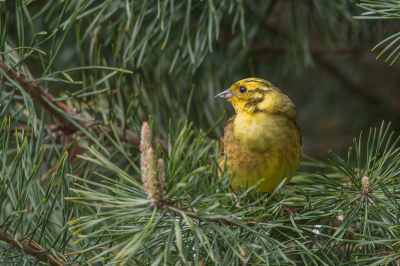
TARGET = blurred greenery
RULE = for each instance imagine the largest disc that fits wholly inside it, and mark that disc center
(316, 53)
(79, 77)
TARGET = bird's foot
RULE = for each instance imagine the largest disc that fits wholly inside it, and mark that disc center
(289, 210)
(237, 202)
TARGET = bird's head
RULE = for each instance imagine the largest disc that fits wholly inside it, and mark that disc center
(253, 95)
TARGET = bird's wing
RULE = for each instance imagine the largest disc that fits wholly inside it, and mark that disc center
(297, 124)
(221, 150)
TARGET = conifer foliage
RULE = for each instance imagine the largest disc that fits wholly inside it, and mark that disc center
(100, 164)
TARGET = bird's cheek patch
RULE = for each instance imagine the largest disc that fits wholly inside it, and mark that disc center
(253, 101)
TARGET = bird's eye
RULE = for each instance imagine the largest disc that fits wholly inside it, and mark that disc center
(242, 89)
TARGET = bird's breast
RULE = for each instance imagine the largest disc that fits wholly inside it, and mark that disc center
(262, 131)
(259, 147)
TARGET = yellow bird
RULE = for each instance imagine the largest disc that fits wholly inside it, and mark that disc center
(263, 140)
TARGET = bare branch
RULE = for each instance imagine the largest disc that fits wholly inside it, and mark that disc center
(38, 94)
(30, 247)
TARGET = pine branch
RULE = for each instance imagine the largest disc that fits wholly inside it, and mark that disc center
(176, 209)
(268, 50)
(348, 84)
(39, 94)
(30, 247)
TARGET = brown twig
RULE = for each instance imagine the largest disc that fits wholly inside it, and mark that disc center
(342, 78)
(174, 208)
(318, 53)
(39, 94)
(29, 247)
(266, 50)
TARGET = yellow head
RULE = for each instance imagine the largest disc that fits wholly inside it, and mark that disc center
(253, 95)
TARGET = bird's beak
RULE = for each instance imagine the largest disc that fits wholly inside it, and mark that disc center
(226, 94)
